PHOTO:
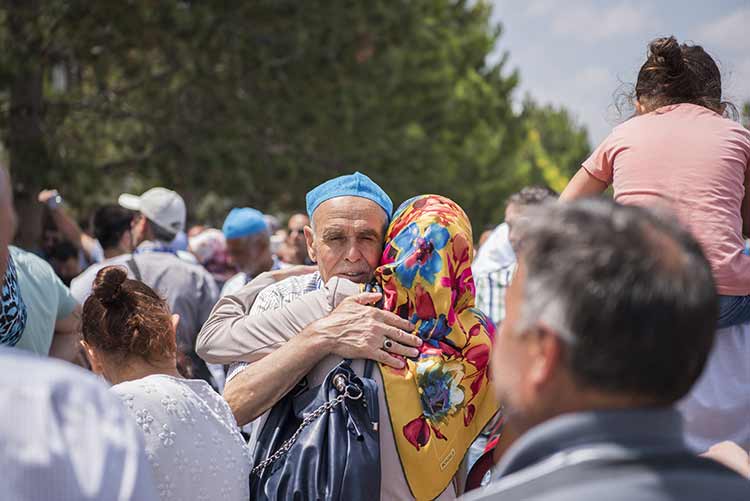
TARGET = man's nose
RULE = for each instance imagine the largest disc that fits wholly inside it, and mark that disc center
(353, 253)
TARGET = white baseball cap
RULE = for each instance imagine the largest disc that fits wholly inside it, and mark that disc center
(160, 205)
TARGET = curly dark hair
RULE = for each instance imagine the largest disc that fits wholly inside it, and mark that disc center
(680, 73)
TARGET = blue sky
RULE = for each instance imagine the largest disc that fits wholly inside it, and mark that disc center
(576, 52)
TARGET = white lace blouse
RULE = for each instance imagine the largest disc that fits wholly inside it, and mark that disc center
(192, 439)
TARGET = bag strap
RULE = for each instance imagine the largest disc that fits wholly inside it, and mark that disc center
(341, 383)
(369, 365)
(134, 268)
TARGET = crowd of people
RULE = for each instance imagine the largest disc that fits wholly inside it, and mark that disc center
(590, 347)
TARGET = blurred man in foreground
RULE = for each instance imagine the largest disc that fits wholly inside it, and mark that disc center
(593, 355)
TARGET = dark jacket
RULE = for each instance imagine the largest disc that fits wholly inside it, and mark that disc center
(628, 455)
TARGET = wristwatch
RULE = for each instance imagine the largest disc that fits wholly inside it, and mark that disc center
(55, 202)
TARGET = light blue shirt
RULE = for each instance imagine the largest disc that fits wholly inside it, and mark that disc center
(47, 300)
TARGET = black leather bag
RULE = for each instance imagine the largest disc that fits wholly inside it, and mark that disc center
(321, 443)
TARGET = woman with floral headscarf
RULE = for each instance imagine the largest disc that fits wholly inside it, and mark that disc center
(436, 405)
(442, 396)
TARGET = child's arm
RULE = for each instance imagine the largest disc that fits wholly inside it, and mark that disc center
(582, 185)
(596, 172)
(746, 205)
(230, 334)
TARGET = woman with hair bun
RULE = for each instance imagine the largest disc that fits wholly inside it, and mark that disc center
(681, 152)
(192, 439)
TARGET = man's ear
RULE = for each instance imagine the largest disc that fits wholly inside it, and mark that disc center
(126, 241)
(310, 239)
(147, 229)
(546, 355)
(140, 229)
(175, 319)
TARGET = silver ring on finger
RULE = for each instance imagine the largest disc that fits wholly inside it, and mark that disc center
(387, 344)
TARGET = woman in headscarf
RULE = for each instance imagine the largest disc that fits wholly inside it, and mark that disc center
(440, 401)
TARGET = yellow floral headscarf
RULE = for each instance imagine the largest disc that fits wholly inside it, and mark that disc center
(441, 400)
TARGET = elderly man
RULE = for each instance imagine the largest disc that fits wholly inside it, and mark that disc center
(593, 355)
(349, 216)
(249, 246)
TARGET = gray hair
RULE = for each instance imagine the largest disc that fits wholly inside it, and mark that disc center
(543, 301)
(532, 195)
(543, 304)
(628, 290)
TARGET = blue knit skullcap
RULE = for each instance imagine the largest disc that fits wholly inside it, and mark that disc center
(243, 222)
(351, 185)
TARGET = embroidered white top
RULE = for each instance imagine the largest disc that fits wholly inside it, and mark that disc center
(192, 440)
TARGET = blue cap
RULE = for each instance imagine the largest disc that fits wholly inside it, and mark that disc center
(243, 222)
(351, 185)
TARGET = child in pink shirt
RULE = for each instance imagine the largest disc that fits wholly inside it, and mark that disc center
(680, 153)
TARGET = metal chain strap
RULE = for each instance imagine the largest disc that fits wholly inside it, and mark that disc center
(309, 418)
